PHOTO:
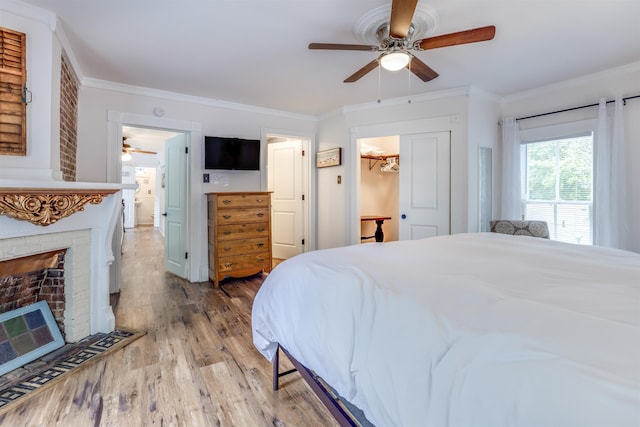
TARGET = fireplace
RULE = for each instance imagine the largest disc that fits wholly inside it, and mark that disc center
(71, 304)
(77, 220)
(27, 280)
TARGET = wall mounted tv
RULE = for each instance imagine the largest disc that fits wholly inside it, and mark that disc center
(231, 153)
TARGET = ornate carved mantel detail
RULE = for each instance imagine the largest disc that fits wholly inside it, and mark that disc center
(43, 206)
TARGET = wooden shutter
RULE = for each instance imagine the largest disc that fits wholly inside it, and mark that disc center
(13, 78)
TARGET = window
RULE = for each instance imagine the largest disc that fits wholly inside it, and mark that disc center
(13, 77)
(557, 186)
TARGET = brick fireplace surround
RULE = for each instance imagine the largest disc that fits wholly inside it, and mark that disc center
(27, 280)
(38, 217)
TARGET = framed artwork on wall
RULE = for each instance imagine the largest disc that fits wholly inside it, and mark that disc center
(326, 158)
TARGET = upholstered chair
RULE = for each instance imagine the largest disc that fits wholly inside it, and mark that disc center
(520, 228)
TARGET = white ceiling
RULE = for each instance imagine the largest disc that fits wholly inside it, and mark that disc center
(255, 51)
(146, 138)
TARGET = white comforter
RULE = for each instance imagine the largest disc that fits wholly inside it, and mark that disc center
(481, 330)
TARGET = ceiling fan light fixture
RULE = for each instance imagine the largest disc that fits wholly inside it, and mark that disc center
(394, 61)
(126, 156)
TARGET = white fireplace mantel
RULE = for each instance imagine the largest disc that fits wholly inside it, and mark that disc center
(99, 214)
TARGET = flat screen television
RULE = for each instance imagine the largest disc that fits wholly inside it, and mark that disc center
(231, 153)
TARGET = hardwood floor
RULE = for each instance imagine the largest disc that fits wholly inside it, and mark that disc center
(195, 367)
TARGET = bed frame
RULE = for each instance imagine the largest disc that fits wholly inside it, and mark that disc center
(342, 414)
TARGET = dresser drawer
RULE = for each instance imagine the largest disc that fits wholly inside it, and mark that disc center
(230, 216)
(242, 246)
(258, 261)
(242, 200)
(242, 231)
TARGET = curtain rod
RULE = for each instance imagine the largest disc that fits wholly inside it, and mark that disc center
(575, 108)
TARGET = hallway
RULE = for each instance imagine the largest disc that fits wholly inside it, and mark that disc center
(195, 367)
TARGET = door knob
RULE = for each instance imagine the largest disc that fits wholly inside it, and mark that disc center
(403, 216)
(164, 214)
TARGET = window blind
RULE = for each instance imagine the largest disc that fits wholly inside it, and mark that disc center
(558, 186)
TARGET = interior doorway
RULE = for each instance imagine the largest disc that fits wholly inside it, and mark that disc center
(141, 205)
(288, 180)
(379, 187)
(144, 162)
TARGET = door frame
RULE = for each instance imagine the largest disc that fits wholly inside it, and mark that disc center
(194, 239)
(308, 183)
(459, 170)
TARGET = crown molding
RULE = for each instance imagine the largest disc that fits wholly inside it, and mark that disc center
(570, 83)
(30, 12)
(173, 96)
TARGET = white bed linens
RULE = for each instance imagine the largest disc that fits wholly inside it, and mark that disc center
(478, 329)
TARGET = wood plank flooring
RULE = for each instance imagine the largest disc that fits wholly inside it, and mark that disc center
(195, 367)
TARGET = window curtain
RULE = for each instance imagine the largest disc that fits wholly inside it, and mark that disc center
(511, 207)
(611, 214)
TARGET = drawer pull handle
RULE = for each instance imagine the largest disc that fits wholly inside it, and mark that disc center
(260, 245)
(228, 264)
(226, 201)
(226, 232)
(260, 229)
(260, 214)
(227, 249)
(259, 200)
(260, 259)
(226, 216)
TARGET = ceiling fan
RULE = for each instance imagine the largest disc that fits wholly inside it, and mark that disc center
(127, 149)
(396, 43)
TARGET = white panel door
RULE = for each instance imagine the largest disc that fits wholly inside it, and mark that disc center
(285, 181)
(175, 253)
(425, 185)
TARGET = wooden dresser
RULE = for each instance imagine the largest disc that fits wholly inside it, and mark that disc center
(239, 230)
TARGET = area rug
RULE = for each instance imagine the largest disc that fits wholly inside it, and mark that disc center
(66, 361)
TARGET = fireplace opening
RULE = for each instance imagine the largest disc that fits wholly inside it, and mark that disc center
(29, 279)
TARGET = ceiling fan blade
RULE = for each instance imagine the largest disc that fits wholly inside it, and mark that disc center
(463, 37)
(362, 71)
(422, 70)
(338, 46)
(401, 15)
(135, 150)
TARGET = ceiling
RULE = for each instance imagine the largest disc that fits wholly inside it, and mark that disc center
(146, 138)
(255, 51)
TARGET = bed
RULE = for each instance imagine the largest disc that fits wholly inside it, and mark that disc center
(478, 329)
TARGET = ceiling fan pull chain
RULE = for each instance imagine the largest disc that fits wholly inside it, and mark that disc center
(409, 77)
(379, 82)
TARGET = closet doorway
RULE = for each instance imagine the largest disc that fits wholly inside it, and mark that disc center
(416, 202)
(379, 187)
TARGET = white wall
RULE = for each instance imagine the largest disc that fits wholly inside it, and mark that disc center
(333, 198)
(43, 80)
(623, 81)
(441, 111)
(484, 110)
(100, 102)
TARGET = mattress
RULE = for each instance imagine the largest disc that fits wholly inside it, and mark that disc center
(479, 329)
